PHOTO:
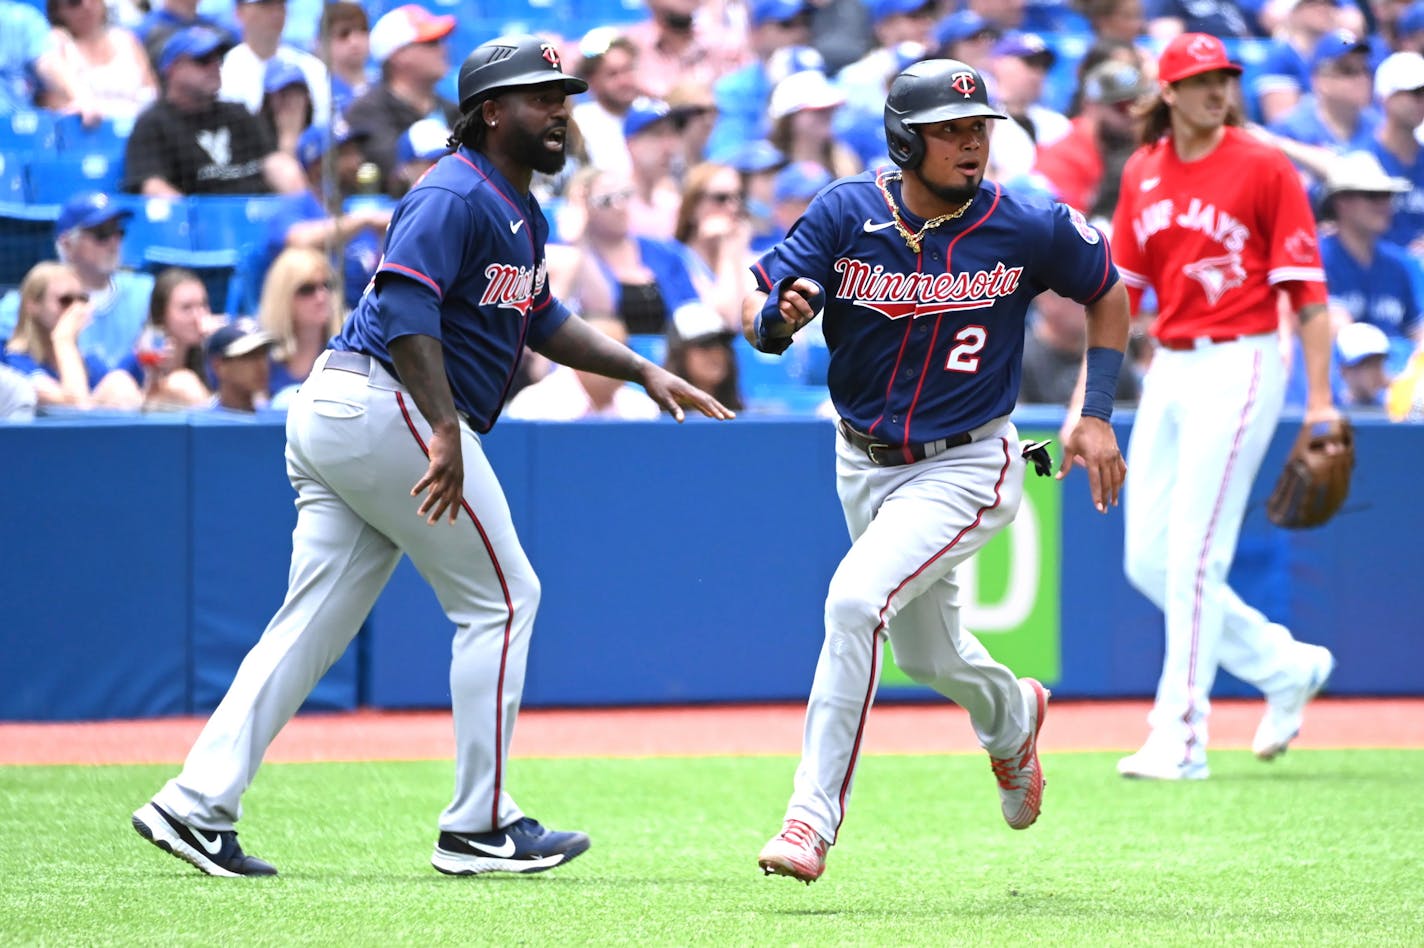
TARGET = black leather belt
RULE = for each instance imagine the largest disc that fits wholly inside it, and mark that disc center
(883, 454)
(344, 361)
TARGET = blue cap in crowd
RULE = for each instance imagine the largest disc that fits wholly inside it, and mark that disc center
(281, 73)
(315, 141)
(195, 41)
(1411, 20)
(1334, 45)
(774, 11)
(426, 140)
(961, 25)
(238, 338)
(1025, 46)
(880, 9)
(644, 113)
(88, 209)
(753, 157)
(800, 181)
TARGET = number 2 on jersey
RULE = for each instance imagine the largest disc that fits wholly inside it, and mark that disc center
(964, 356)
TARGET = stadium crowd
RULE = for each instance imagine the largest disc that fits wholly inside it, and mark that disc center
(193, 195)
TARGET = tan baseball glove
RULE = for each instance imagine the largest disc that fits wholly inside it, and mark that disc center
(1316, 478)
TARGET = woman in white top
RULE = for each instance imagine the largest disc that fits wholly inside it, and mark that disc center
(109, 61)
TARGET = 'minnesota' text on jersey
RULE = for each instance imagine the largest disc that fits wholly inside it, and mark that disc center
(929, 344)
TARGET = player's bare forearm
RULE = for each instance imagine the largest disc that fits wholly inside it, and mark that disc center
(752, 303)
(1109, 319)
(1316, 340)
(420, 363)
(580, 346)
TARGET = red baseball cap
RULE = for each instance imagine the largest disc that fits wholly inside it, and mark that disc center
(1191, 54)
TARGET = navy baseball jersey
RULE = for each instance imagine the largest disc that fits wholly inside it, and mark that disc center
(929, 344)
(465, 236)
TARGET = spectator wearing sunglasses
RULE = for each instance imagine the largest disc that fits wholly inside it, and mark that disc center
(1338, 113)
(1084, 166)
(640, 280)
(174, 16)
(300, 311)
(88, 235)
(713, 227)
(108, 61)
(190, 142)
(54, 311)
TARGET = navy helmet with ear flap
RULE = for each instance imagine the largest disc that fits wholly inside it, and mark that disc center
(506, 62)
(932, 90)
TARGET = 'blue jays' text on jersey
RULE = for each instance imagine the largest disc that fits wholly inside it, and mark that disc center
(929, 344)
(465, 235)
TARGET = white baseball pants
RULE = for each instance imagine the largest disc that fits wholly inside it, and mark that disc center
(910, 526)
(1204, 424)
(355, 447)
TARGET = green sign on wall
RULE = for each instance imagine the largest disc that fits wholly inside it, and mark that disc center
(1008, 593)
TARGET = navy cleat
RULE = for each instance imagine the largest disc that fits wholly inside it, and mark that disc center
(522, 846)
(215, 852)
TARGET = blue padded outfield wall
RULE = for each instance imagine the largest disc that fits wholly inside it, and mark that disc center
(142, 557)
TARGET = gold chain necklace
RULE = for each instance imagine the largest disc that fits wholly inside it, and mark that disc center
(915, 240)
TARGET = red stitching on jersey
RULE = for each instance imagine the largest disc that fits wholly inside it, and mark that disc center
(1206, 546)
(948, 258)
(875, 634)
(508, 626)
(1107, 268)
(418, 275)
(904, 343)
(765, 277)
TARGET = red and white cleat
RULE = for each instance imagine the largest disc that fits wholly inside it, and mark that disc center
(798, 851)
(1020, 777)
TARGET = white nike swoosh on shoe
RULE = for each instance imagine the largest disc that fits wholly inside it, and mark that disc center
(212, 848)
(871, 227)
(515, 225)
(502, 851)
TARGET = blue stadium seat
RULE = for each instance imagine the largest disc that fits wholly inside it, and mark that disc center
(26, 238)
(225, 226)
(158, 230)
(109, 137)
(760, 372)
(54, 178)
(591, 13)
(28, 131)
(13, 186)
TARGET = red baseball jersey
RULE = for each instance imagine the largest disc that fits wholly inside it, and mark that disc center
(1217, 238)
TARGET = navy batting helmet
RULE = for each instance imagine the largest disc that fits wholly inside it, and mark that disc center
(932, 90)
(506, 62)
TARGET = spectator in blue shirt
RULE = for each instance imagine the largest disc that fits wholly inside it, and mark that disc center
(1338, 113)
(1285, 75)
(54, 310)
(1370, 279)
(742, 95)
(88, 235)
(1399, 88)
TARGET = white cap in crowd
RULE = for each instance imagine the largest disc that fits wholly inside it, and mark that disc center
(1399, 72)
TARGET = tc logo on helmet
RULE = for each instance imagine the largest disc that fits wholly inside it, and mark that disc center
(551, 55)
(963, 82)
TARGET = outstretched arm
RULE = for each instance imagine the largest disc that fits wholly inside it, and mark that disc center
(580, 346)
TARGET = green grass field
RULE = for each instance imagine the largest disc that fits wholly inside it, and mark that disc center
(1319, 848)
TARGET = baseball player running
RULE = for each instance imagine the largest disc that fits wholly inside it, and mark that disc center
(1218, 224)
(923, 274)
(418, 373)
